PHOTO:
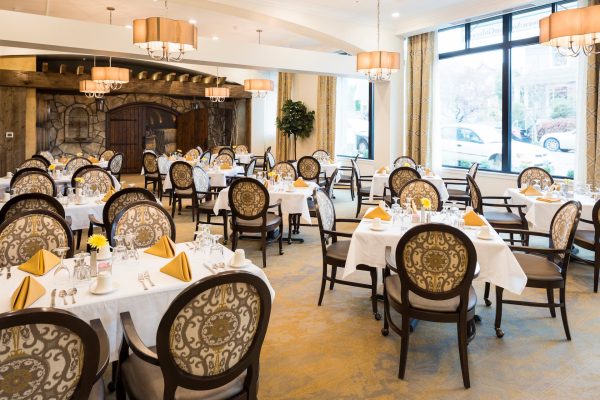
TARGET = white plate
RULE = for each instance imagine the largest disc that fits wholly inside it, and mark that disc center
(381, 227)
(490, 237)
(246, 262)
(93, 286)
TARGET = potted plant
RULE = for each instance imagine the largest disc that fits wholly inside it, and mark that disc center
(295, 120)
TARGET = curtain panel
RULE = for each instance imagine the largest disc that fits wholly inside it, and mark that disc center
(284, 92)
(592, 116)
(326, 107)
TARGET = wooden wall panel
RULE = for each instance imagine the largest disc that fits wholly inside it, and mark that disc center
(192, 129)
(13, 106)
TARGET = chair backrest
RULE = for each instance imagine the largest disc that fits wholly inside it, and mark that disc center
(472, 172)
(356, 174)
(96, 177)
(531, 173)
(249, 171)
(400, 177)
(403, 160)
(47, 155)
(241, 149)
(325, 217)
(331, 183)
(192, 153)
(563, 227)
(77, 162)
(283, 168)
(30, 202)
(150, 161)
(42, 159)
(206, 156)
(107, 155)
(116, 163)
(147, 220)
(122, 199)
(437, 262)
(309, 168)
(181, 175)
(227, 150)
(34, 163)
(213, 331)
(419, 189)
(32, 180)
(321, 155)
(269, 159)
(248, 199)
(22, 235)
(475, 195)
(223, 158)
(163, 165)
(48, 353)
(201, 182)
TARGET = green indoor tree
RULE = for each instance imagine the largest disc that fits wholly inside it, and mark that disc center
(295, 120)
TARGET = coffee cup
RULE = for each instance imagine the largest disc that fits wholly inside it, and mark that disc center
(484, 231)
(103, 282)
(376, 223)
(239, 257)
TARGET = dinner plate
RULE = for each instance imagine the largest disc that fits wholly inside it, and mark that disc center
(93, 290)
(378, 229)
(490, 237)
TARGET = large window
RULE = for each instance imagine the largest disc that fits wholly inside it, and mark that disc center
(354, 124)
(505, 101)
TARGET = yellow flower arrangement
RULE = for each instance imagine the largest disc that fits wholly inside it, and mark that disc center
(51, 167)
(97, 241)
(79, 180)
(406, 164)
(80, 154)
(426, 203)
(271, 174)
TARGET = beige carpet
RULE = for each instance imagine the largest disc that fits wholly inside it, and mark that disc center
(336, 351)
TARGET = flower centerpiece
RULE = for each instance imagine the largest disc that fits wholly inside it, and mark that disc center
(100, 251)
(425, 210)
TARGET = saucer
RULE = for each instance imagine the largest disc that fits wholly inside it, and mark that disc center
(378, 229)
(115, 286)
(480, 236)
(290, 191)
(244, 263)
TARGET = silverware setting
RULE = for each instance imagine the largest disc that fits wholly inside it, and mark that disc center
(8, 274)
(141, 280)
(216, 267)
(53, 298)
(147, 276)
(72, 292)
(63, 295)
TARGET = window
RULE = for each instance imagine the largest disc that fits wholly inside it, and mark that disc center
(354, 126)
(504, 100)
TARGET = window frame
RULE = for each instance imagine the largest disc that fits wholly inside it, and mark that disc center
(506, 46)
(371, 129)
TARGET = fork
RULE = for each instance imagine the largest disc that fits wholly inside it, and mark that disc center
(147, 276)
(141, 280)
(8, 274)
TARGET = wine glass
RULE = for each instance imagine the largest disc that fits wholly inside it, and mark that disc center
(62, 275)
(536, 184)
(81, 271)
(130, 245)
(216, 250)
(120, 250)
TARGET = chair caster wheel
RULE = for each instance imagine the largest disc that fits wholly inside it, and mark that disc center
(112, 387)
(385, 331)
(377, 316)
(487, 302)
(499, 332)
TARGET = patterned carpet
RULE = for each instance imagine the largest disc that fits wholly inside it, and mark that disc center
(336, 351)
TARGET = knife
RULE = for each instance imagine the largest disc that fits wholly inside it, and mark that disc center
(53, 298)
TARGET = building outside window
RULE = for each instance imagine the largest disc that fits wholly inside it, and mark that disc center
(354, 118)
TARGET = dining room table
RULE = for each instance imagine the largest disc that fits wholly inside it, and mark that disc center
(60, 179)
(146, 306)
(327, 167)
(243, 158)
(381, 180)
(218, 176)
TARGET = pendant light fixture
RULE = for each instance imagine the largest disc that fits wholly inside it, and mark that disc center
(258, 87)
(91, 88)
(572, 32)
(163, 38)
(378, 65)
(111, 77)
(217, 94)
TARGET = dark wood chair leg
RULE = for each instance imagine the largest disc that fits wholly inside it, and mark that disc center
(290, 227)
(563, 312)
(596, 271)
(550, 293)
(263, 235)
(281, 238)
(173, 205)
(462, 349)
(499, 292)
(225, 233)
(404, 346)
(333, 275)
(376, 314)
(358, 204)
(79, 233)
(486, 294)
(386, 314)
(323, 282)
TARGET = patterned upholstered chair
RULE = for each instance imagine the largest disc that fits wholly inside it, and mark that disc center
(418, 189)
(207, 344)
(261, 161)
(47, 353)
(77, 162)
(151, 173)
(241, 149)
(335, 254)
(528, 175)
(224, 157)
(95, 177)
(106, 155)
(269, 162)
(429, 279)
(23, 234)
(309, 169)
(461, 194)
(249, 202)
(34, 163)
(346, 178)
(589, 240)
(115, 164)
(32, 180)
(148, 220)
(206, 156)
(227, 150)
(193, 153)
(205, 201)
(30, 202)
(403, 160)
(546, 267)
(183, 186)
(321, 155)
(42, 159)
(284, 168)
(362, 189)
(250, 168)
(115, 204)
(48, 156)
(398, 178)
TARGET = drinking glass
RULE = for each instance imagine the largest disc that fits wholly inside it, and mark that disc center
(130, 246)
(120, 250)
(216, 249)
(62, 275)
(81, 271)
(536, 184)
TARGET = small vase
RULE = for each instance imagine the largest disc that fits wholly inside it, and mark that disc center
(104, 253)
(93, 264)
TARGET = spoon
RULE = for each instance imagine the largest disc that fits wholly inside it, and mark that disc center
(72, 293)
(63, 294)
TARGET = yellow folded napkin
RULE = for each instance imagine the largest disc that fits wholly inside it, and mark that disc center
(108, 194)
(93, 159)
(300, 183)
(41, 262)
(164, 248)
(171, 158)
(428, 172)
(383, 170)
(179, 268)
(26, 294)
(530, 191)
(548, 200)
(378, 212)
(226, 166)
(472, 219)
(189, 158)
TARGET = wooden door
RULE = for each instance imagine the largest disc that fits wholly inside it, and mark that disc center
(125, 133)
(192, 129)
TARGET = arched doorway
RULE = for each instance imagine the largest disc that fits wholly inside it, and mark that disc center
(130, 126)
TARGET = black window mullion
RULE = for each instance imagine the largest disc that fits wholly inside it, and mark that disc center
(506, 94)
(371, 122)
(467, 35)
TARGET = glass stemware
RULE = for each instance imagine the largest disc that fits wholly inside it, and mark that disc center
(216, 249)
(132, 251)
(120, 250)
(62, 275)
(81, 271)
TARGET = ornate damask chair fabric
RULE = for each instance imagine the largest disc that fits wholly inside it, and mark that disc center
(403, 160)
(192, 153)
(249, 199)
(181, 175)
(33, 181)
(147, 220)
(24, 234)
(30, 202)
(122, 199)
(224, 158)
(241, 149)
(33, 163)
(309, 168)
(201, 182)
(227, 150)
(77, 162)
(529, 175)
(107, 155)
(284, 168)
(563, 225)
(321, 155)
(421, 189)
(96, 178)
(150, 163)
(115, 164)
(400, 177)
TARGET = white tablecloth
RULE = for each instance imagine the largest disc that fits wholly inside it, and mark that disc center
(380, 181)
(146, 306)
(291, 202)
(497, 263)
(218, 177)
(539, 213)
(244, 158)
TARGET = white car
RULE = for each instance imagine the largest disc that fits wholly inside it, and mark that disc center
(464, 144)
(563, 141)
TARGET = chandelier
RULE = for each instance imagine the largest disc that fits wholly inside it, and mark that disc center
(111, 77)
(572, 32)
(378, 65)
(164, 38)
(258, 87)
(92, 89)
(217, 94)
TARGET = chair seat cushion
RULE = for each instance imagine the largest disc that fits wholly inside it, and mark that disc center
(153, 175)
(207, 205)
(538, 267)
(393, 287)
(502, 218)
(273, 220)
(585, 239)
(338, 250)
(457, 193)
(185, 192)
(145, 381)
(365, 190)
(97, 392)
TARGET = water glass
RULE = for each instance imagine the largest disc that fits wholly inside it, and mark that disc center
(62, 275)
(120, 253)
(81, 271)
(216, 249)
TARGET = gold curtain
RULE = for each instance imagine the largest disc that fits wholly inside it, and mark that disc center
(326, 95)
(284, 92)
(592, 116)
(419, 71)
